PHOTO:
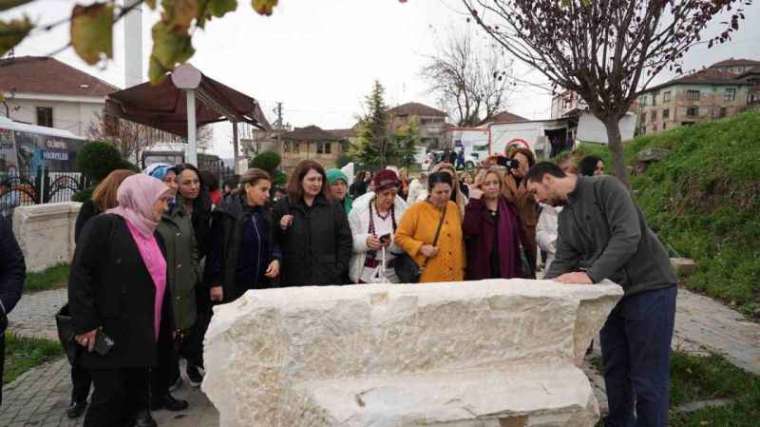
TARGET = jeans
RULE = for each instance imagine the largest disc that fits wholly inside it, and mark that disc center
(636, 353)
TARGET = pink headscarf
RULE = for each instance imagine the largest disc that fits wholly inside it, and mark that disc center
(136, 196)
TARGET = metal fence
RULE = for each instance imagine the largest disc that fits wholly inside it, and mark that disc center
(44, 187)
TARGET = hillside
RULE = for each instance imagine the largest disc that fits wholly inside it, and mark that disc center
(703, 200)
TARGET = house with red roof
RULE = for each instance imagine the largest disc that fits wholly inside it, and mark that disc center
(44, 91)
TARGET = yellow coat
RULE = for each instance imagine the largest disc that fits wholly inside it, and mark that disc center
(417, 228)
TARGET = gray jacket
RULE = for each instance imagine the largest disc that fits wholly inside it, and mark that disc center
(602, 232)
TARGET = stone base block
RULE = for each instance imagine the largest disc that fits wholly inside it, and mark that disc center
(45, 233)
(489, 353)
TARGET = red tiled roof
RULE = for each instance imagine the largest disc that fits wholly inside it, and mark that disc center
(45, 75)
(309, 133)
(505, 117)
(416, 109)
(735, 63)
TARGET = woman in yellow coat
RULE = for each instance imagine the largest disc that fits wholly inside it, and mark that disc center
(444, 262)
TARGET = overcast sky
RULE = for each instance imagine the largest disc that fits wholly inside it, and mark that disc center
(319, 58)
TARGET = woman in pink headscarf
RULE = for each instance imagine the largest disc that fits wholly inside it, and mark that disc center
(119, 302)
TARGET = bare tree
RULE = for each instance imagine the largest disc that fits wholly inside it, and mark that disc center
(607, 51)
(471, 80)
(129, 137)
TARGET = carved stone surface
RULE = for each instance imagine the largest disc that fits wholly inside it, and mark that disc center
(45, 233)
(489, 353)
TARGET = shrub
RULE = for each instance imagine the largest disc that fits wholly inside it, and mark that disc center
(97, 159)
(268, 161)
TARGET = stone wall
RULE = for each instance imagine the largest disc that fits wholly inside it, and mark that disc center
(46, 233)
(489, 353)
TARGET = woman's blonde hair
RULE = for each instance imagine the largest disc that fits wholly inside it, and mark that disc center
(104, 195)
(483, 173)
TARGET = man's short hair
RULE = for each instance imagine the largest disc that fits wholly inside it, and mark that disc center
(537, 172)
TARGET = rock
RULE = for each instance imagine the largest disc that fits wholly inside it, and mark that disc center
(489, 353)
(683, 266)
(654, 154)
(45, 233)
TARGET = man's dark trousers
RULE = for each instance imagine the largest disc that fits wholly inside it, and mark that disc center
(636, 352)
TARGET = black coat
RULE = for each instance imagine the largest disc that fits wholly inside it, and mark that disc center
(110, 287)
(316, 248)
(12, 271)
(86, 212)
(227, 234)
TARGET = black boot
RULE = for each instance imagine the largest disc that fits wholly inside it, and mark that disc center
(76, 409)
(144, 419)
(169, 403)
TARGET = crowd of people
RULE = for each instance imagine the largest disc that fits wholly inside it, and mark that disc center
(156, 250)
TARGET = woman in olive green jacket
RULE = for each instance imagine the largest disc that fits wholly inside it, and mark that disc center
(183, 275)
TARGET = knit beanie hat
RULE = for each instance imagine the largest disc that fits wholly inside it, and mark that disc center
(333, 175)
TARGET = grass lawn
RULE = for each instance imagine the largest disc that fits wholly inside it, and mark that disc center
(703, 378)
(22, 354)
(703, 199)
(696, 378)
(54, 277)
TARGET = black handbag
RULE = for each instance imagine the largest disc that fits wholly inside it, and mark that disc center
(406, 268)
(66, 334)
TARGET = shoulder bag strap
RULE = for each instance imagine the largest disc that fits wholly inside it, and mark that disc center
(437, 232)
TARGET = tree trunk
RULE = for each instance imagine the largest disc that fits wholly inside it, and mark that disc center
(615, 145)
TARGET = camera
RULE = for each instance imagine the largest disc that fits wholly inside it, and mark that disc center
(507, 162)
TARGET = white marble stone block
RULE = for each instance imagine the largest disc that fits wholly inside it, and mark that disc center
(45, 233)
(490, 353)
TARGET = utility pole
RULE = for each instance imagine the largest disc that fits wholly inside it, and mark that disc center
(278, 111)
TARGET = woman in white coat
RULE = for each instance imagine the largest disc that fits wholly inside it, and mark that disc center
(373, 220)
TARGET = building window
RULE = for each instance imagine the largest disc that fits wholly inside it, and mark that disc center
(666, 96)
(666, 114)
(653, 115)
(654, 99)
(643, 100)
(723, 112)
(664, 126)
(730, 95)
(692, 111)
(692, 95)
(45, 116)
(324, 148)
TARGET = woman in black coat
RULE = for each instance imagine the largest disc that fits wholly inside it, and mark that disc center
(312, 231)
(117, 291)
(103, 198)
(243, 252)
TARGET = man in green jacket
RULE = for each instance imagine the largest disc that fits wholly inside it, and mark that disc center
(603, 235)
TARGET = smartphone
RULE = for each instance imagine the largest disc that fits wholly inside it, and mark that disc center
(385, 238)
(103, 343)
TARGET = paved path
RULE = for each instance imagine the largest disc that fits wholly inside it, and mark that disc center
(34, 315)
(41, 395)
(706, 323)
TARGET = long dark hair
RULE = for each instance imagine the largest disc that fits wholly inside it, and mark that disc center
(201, 217)
(587, 166)
(295, 183)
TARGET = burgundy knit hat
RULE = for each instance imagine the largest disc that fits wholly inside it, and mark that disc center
(385, 179)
